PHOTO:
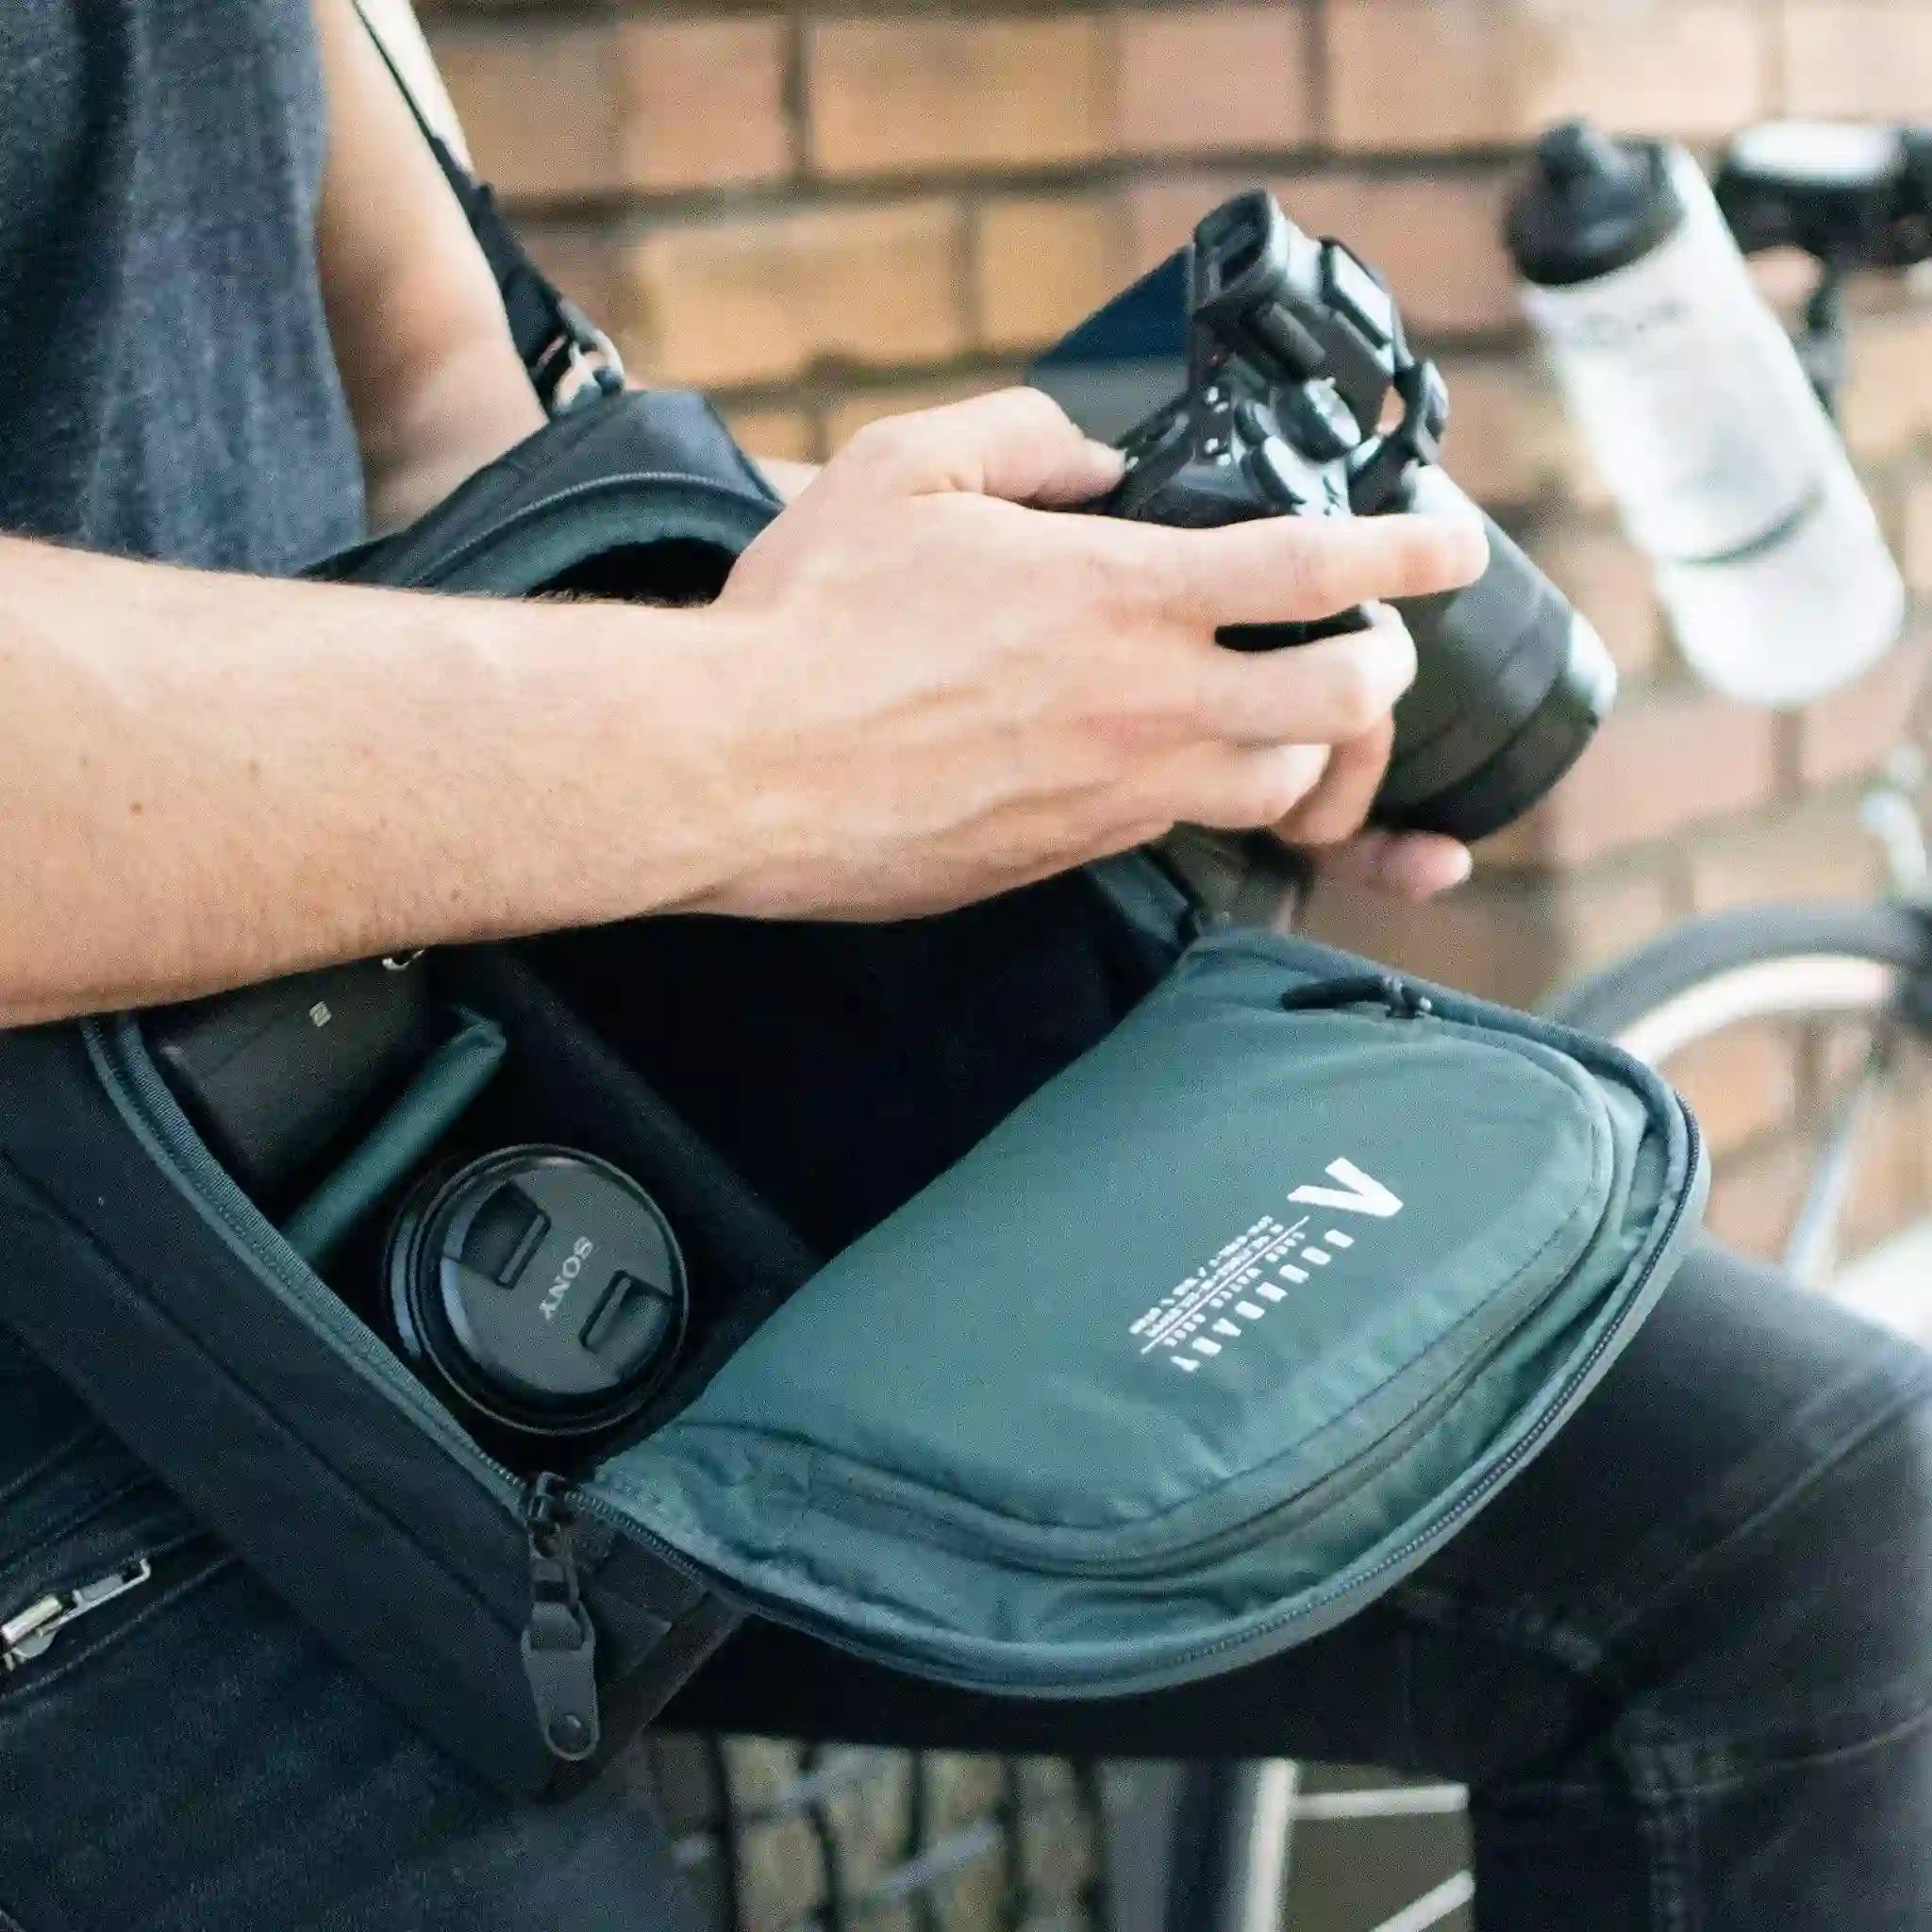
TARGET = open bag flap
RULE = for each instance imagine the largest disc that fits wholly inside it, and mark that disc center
(626, 473)
(1209, 1342)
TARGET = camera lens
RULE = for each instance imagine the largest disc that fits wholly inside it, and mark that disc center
(535, 1288)
(1511, 685)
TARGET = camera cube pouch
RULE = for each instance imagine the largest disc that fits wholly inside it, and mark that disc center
(1250, 1276)
(1208, 1344)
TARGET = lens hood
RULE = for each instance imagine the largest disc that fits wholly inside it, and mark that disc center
(537, 1289)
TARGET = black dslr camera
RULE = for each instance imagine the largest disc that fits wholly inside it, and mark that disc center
(1274, 362)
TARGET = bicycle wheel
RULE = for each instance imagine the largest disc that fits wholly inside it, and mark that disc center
(1797, 1032)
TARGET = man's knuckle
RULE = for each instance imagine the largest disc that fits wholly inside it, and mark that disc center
(1433, 558)
(1356, 699)
(1308, 574)
(884, 444)
(1283, 789)
(1030, 405)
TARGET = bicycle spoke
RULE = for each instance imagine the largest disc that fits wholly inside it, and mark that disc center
(1260, 1882)
(1431, 1910)
(1812, 1254)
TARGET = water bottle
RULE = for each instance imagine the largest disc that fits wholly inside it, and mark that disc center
(1727, 469)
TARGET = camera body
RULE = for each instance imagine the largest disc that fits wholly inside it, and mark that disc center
(1294, 353)
(1283, 385)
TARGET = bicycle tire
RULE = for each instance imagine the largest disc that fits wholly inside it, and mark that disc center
(1893, 938)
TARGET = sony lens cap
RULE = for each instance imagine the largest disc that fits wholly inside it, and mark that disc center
(540, 1287)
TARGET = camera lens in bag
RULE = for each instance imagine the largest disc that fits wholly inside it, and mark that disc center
(535, 1288)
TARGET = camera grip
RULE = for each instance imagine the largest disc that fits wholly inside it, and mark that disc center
(1283, 637)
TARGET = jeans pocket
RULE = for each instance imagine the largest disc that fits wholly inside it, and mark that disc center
(75, 1505)
(94, 1608)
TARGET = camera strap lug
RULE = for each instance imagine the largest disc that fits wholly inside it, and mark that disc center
(1381, 483)
(560, 1641)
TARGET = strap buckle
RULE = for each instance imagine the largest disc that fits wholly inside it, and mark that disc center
(581, 365)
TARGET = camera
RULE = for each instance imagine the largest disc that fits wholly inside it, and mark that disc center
(1284, 385)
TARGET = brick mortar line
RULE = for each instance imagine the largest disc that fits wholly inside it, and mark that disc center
(1116, 173)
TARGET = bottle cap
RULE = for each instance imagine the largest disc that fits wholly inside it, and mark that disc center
(1590, 206)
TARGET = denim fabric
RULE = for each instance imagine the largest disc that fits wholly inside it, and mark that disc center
(192, 1760)
(1685, 1663)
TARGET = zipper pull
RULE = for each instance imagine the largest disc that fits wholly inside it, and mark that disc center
(559, 1642)
(31, 1634)
(1364, 989)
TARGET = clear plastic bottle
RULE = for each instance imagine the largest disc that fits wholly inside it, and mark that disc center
(1727, 471)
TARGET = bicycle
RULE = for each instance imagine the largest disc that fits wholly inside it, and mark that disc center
(1849, 985)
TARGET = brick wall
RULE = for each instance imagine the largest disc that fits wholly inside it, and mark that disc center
(823, 216)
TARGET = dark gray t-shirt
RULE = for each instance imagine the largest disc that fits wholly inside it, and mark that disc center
(167, 387)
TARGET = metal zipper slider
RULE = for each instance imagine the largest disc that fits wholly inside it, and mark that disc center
(560, 1641)
(32, 1633)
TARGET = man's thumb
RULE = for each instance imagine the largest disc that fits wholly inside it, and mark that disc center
(1016, 444)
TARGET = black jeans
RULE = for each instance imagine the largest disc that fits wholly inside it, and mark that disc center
(1685, 1664)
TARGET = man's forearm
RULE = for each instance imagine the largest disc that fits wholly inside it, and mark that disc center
(206, 780)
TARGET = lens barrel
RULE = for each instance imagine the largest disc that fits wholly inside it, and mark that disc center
(1511, 685)
(538, 1289)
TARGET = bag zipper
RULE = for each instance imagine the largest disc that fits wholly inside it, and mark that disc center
(32, 1632)
(1388, 989)
(1235, 1540)
(557, 1640)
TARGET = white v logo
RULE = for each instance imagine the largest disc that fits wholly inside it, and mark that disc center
(1359, 1193)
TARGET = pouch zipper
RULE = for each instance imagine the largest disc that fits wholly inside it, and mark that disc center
(32, 1633)
(442, 567)
(560, 1663)
(1364, 1466)
(1388, 989)
(1329, 1605)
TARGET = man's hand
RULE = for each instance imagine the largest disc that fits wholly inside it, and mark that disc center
(1406, 865)
(936, 693)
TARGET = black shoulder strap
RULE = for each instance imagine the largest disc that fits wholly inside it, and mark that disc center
(556, 339)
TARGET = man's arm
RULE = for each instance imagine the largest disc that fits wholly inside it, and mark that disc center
(914, 692)
(211, 780)
(433, 379)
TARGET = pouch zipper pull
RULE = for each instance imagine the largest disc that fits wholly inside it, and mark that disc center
(31, 1634)
(1362, 989)
(559, 1642)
